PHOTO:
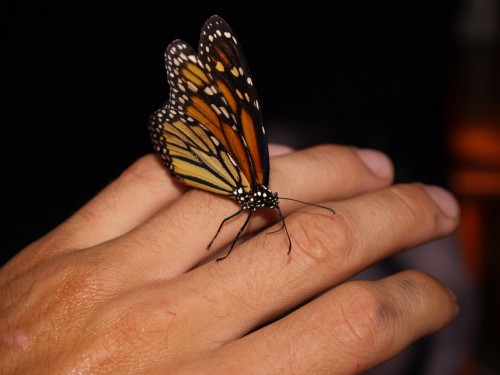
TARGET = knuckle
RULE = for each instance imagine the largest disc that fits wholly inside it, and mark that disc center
(146, 168)
(336, 158)
(52, 245)
(325, 149)
(53, 294)
(139, 319)
(329, 156)
(366, 326)
(319, 237)
(412, 209)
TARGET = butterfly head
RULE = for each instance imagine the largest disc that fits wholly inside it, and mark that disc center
(259, 197)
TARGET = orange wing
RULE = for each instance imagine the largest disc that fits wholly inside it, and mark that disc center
(243, 127)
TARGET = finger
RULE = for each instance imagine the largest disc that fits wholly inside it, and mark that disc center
(180, 234)
(350, 329)
(313, 173)
(136, 195)
(259, 281)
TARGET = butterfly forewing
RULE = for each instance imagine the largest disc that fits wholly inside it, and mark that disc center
(221, 55)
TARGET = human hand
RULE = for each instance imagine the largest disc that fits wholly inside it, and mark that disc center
(126, 285)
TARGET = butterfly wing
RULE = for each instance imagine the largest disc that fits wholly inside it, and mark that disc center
(210, 132)
(241, 117)
(193, 155)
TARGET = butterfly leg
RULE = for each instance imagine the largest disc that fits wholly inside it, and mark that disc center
(250, 212)
(283, 225)
(280, 228)
(222, 224)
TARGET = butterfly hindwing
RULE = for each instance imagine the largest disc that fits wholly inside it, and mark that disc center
(191, 154)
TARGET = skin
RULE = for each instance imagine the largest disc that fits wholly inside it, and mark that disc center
(126, 284)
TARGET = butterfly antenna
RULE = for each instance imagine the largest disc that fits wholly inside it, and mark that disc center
(310, 204)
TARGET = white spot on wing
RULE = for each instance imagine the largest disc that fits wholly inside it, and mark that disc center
(192, 86)
(234, 163)
(224, 111)
(214, 140)
(208, 91)
(215, 108)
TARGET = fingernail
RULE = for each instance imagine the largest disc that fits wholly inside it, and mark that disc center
(377, 162)
(276, 149)
(445, 200)
(452, 294)
(455, 299)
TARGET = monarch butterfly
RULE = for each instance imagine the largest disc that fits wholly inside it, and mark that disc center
(210, 132)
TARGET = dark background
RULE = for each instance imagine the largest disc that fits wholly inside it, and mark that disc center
(79, 81)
